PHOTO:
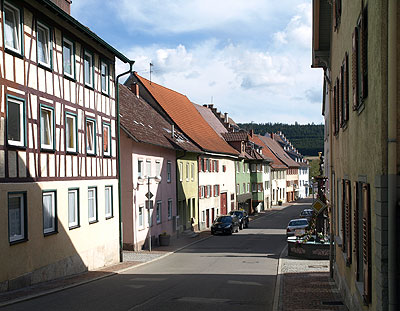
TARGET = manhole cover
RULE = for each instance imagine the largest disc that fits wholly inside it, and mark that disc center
(332, 303)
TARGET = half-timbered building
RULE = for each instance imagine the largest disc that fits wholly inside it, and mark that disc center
(58, 147)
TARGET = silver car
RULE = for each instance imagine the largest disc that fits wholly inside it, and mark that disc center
(299, 225)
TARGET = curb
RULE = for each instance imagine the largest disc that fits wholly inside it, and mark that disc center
(276, 304)
(55, 290)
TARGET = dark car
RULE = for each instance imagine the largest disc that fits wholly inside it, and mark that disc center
(307, 213)
(243, 218)
(299, 225)
(225, 224)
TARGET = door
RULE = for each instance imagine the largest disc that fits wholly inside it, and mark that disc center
(224, 200)
(207, 218)
(212, 214)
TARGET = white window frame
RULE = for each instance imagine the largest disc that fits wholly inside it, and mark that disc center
(187, 171)
(253, 168)
(216, 191)
(253, 187)
(22, 211)
(158, 168)
(248, 187)
(91, 151)
(17, 28)
(52, 212)
(141, 216)
(158, 212)
(91, 65)
(148, 168)
(238, 188)
(47, 44)
(21, 103)
(208, 191)
(75, 222)
(94, 218)
(104, 77)
(169, 167)
(140, 168)
(51, 125)
(71, 58)
(73, 117)
(108, 201)
(192, 170)
(180, 171)
(107, 153)
(169, 209)
(202, 191)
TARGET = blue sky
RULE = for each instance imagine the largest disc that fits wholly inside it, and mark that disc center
(251, 58)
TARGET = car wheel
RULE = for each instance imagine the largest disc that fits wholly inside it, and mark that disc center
(237, 230)
(241, 227)
(231, 231)
(247, 224)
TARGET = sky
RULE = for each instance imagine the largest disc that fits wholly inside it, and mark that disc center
(250, 58)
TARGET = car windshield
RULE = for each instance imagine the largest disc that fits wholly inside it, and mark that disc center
(306, 213)
(237, 213)
(294, 223)
(225, 219)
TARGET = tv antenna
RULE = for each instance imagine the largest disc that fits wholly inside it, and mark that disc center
(151, 65)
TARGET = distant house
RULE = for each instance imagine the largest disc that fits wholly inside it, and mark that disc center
(149, 145)
(215, 165)
(58, 145)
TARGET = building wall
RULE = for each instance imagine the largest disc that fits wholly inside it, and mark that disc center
(242, 169)
(278, 186)
(292, 183)
(133, 197)
(31, 169)
(267, 186)
(303, 182)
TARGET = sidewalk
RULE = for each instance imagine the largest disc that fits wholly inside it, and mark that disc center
(306, 285)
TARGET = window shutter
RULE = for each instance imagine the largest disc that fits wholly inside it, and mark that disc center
(343, 220)
(204, 164)
(364, 53)
(355, 227)
(340, 97)
(346, 87)
(212, 166)
(348, 223)
(354, 68)
(217, 166)
(366, 244)
(199, 164)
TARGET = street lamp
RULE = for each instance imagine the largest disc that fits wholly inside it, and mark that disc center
(149, 195)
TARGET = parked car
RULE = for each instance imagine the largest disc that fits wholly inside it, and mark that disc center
(225, 224)
(307, 213)
(243, 218)
(296, 224)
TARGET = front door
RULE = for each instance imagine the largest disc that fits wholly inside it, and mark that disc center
(212, 214)
(207, 218)
(224, 201)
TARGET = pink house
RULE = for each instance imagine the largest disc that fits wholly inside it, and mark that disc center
(148, 148)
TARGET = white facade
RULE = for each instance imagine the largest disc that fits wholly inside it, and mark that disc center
(303, 181)
(216, 186)
(278, 186)
(267, 186)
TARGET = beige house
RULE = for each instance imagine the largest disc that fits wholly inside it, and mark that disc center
(356, 43)
(58, 148)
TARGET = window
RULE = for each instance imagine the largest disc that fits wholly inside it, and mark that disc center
(253, 187)
(46, 127)
(209, 194)
(49, 212)
(201, 191)
(92, 204)
(109, 201)
(187, 171)
(259, 168)
(208, 165)
(158, 168)
(158, 212)
(260, 187)
(106, 139)
(244, 187)
(15, 121)
(88, 64)
(237, 167)
(244, 167)
(104, 77)
(216, 165)
(68, 58)
(253, 168)
(17, 230)
(12, 28)
(237, 188)
(71, 132)
(140, 168)
(141, 216)
(73, 208)
(43, 45)
(192, 176)
(216, 190)
(180, 171)
(169, 209)
(90, 136)
(248, 187)
(149, 212)
(168, 171)
(148, 168)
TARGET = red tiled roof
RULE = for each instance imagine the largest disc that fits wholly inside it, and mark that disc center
(146, 125)
(236, 136)
(278, 151)
(276, 163)
(185, 115)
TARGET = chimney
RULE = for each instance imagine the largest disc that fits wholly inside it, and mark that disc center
(251, 133)
(135, 89)
(226, 120)
(172, 131)
(64, 5)
(272, 135)
(210, 106)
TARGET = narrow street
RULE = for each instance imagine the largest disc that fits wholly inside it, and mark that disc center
(222, 272)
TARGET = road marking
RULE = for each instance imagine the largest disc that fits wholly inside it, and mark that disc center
(148, 279)
(203, 300)
(244, 283)
(136, 286)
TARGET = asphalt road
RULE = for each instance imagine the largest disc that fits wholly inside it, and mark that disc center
(220, 273)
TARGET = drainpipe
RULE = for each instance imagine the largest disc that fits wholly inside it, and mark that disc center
(176, 187)
(119, 158)
(392, 145)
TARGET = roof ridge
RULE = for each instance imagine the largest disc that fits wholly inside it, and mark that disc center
(164, 87)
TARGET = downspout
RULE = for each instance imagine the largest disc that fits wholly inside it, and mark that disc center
(119, 157)
(176, 187)
(392, 145)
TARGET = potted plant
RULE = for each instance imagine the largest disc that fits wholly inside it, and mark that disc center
(164, 239)
(280, 202)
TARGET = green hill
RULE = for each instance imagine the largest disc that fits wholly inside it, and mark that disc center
(307, 138)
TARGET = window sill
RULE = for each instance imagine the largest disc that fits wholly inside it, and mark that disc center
(72, 152)
(19, 241)
(69, 78)
(74, 227)
(50, 233)
(45, 67)
(52, 150)
(12, 146)
(107, 156)
(105, 93)
(89, 87)
(90, 154)
(93, 222)
(109, 217)
(14, 53)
